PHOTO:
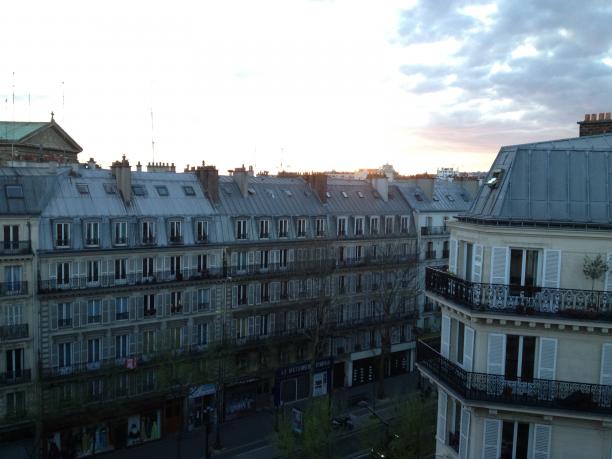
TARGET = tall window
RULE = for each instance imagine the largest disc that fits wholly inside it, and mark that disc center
(201, 231)
(301, 227)
(62, 234)
(94, 311)
(64, 315)
(264, 258)
(175, 266)
(14, 363)
(12, 278)
(520, 357)
(265, 292)
(13, 314)
(283, 258)
(202, 334)
(515, 440)
(264, 229)
(64, 354)
(147, 267)
(11, 236)
(404, 221)
(63, 273)
(148, 232)
(176, 233)
(320, 227)
(283, 227)
(15, 403)
(523, 268)
(374, 225)
(93, 350)
(358, 226)
(148, 341)
(120, 270)
(241, 229)
(121, 308)
(93, 271)
(176, 304)
(92, 233)
(388, 225)
(120, 235)
(121, 346)
(202, 263)
(203, 299)
(242, 294)
(149, 304)
(341, 226)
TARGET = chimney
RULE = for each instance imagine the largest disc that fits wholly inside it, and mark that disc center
(380, 183)
(139, 167)
(596, 124)
(123, 175)
(318, 184)
(241, 177)
(208, 176)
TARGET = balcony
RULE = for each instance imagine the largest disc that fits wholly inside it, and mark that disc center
(434, 231)
(15, 377)
(538, 393)
(10, 332)
(92, 242)
(62, 243)
(15, 248)
(376, 320)
(176, 239)
(147, 240)
(120, 241)
(445, 253)
(509, 299)
(109, 281)
(13, 288)
(430, 255)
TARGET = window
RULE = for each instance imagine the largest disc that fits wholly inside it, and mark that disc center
(13, 314)
(110, 188)
(176, 234)
(341, 226)
(523, 269)
(64, 354)
(359, 252)
(148, 341)
(120, 233)
(264, 229)
(515, 440)
(121, 346)
(374, 225)
(358, 226)
(13, 191)
(149, 304)
(202, 334)
(201, 231)
(63, 274)
(176, 304)
(175, 267)
(520, 358)
(460, 341)
(12, 279)
(62, 234)
(93, 272)
(404, 222)
(82, 188)
(147, 268)
(188, 190)
(94, 311)
(15, 404)
(242, 294)
(241, 229)
(282, 258)
(14, 363)
(202, 263)
(388, 225)
(265, 292)
(162, 190)
(92, 234)
(320, 227)
(139, 190)
(11, 237)
(93, 350)
(301, 227)
(147, 232)
(64, 315)
(283, 227)
(203, 299)
(264, 259)
(120, 270)
(121, 308)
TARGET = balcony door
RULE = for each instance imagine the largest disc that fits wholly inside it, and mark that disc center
(14, 363)
(11, 236)
(520, 358)
(523, 271)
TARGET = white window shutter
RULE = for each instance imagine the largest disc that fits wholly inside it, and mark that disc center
(251, 294)
(552, 268)
(441, 427)
(547, 358)
(491, 439)
(606, 364)
(477, 264)
(499, 265)
(452, 256)
(468, 348)
(445, 340)
(464, 434)
(496, 354)
(234, 296)
(541, 441)
(608, 286)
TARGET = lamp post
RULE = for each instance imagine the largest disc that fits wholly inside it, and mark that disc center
(207, 413)
(365, 404)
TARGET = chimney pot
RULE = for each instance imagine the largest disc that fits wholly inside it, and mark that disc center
(601, 116)
(587, 117)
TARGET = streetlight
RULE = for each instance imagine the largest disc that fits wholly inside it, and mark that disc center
(365, 404)
(207, 413)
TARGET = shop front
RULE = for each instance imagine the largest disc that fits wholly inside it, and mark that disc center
(293, 383)
(240, 398)
(365, 370)
(201, 404)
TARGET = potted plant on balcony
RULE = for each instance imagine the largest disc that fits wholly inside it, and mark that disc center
(594, 268)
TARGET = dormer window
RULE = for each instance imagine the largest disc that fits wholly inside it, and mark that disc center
(341, 226)
(62, 235)
(283, 227)
(201, 231)
(148, 232)
(176, 233)
(301, 227)
(320, 227)
(359, 226)
(388, 225)
(404, 222)
(374, 225)
(120, 236)
(92, 234)
(241, 229)
(264, 229)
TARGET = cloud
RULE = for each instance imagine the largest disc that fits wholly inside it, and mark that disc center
(520, 71)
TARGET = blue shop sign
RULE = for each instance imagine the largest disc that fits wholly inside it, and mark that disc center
(304, 367)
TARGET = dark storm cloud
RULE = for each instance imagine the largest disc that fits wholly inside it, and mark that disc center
(556, 87)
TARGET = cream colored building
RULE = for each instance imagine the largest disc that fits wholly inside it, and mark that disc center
(524, 366)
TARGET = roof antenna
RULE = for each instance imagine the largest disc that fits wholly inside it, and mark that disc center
(152, 137)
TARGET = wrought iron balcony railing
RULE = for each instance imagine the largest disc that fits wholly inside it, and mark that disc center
(15, 377)
(13, 288)
(499, 298)
(15, 247)
(539, 393)
(9, 332)
(434, 231)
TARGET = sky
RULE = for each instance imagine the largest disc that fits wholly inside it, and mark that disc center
(307, 85)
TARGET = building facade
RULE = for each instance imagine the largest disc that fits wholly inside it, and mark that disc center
(523, 368)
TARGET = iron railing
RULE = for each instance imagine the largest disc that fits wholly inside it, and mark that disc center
(9, 332)
(434, 231)
(500, 298)
(13, 288)
(15, 248)
(540, 393)
(15, 377)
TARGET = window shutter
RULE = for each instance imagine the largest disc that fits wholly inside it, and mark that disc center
(194, 334)
(105, 310)
(234, 296)
(159, 305)
(54, 355)
(606, 364)
(251, 261)
(477, 264)
(452, 256)
(541, 441)
(441, 427)
(167, 303)
(491, 439)
(258, 293)
(464, 434)
(275, 292)
(77, 351)
(76, 314)
(496, 354)
(83, 306)
(468, 348)
(53, 315)
(445, 340)
(552, 268)
(132, 343)
(608, 286)
(547, 358)
(140, 307)
(105, 344)
(132, 307)
(499, 265)
(251, 294)
(110, 348)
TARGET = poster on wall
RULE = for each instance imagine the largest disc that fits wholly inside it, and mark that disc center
(79, 442)
(143, 427)
(319, 384)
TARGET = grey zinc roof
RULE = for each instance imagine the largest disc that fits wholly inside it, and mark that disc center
(370, 204)
(447, 196)
(13, 131)
(37, 185)
(565, 181)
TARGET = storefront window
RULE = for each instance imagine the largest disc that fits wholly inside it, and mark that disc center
(80, 442)
(142, 428)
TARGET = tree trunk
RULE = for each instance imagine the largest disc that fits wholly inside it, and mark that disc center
(384, 354)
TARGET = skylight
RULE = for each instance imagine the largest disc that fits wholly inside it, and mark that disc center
(251, 191)
(189, 191)
(288, 193)
(110, 188)
(139, 190)
(82, 188)
(328, 194)
(450, 198)
(162, 190)
(14, 191)
(418, 197)
(360, 194)
(344, 194)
